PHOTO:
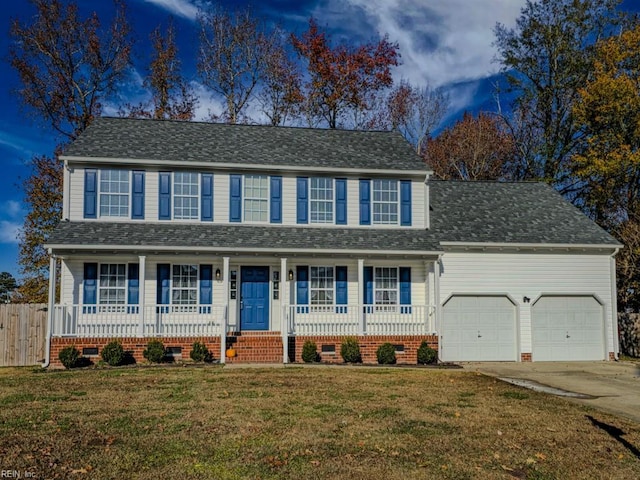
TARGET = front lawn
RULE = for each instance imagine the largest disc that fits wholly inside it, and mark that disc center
(300, 423)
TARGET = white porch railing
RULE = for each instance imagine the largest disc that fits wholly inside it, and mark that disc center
(359, 320)
(86, 321)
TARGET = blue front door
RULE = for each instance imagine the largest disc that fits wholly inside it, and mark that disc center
(254, 298)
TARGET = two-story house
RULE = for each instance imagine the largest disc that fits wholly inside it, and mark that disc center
(263, 237)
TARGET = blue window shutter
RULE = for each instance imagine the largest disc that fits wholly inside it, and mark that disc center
(235, 198)
(303, 200)
(90, 194)
(206, 197)
(368, 285)
(164, 210)
(341, 201)
(341, 289)
(133, 284)
(405, 203)
(206, 281)
(89, 296)
(137, 196)
(405, 289)
(163, 284)
(365, 202)
(302, 288)
(276, 200)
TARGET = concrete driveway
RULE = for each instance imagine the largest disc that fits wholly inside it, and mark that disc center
(612, 386)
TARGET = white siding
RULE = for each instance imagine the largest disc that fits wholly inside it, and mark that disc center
(417, 204)
(151, 200)
(530, 275)
(221, 198)
(76, 194)
(289, 201)
(353, 202)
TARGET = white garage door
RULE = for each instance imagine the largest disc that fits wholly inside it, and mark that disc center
(478, 329)
(567, 328)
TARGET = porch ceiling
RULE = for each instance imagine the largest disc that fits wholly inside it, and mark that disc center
(130, 236)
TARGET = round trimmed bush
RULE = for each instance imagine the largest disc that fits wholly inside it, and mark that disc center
(200, 353)
(350, 350)
(154, 352)
(69, 356)
(113, 353)
(426, 354)
(309, 351)
(386, 354)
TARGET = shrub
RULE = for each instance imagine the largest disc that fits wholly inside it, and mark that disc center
(200, 353)
(386, 354)
(154, 352)
(309, 351)
(350, 350)
(426, 354)
(69, 356)
(113, 353)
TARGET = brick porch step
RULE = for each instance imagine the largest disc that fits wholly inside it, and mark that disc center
(255, 347)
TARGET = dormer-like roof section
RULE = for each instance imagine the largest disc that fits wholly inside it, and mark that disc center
(251, 145)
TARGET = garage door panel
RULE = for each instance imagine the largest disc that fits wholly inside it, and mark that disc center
(478, 328)
(566, 328)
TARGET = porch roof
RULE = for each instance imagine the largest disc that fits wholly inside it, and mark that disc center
(237, 238)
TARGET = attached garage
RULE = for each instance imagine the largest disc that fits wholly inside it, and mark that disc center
(567, 328)
(478, 328)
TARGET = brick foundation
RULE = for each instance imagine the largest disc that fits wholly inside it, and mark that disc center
(525, 357)
(134, 346)
(368, 347)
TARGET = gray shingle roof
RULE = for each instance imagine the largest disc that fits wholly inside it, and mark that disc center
(145, 234)
(126, 138)
(500, 212)
(483, 212)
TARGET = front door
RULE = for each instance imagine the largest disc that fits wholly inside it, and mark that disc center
(254, 298)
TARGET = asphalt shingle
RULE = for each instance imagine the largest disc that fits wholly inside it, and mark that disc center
(126, 138)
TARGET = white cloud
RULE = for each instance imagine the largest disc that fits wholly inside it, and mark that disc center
(9, 231)
(181, 8)
(12, 208)
(441, 41)
(207, 104)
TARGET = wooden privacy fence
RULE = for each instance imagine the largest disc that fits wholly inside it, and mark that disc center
(23, 330)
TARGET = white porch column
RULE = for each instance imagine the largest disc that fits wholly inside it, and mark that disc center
(142, 264)
(225, 314)
(436, 294)
(51, 306)
(361, 296)
(284, 319)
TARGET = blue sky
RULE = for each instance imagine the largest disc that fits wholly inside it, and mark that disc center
(445, 43)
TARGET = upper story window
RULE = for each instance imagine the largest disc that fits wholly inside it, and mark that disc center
(256, 198)
(186, 195)
(114, 193)
(321, 200)
(385, 202)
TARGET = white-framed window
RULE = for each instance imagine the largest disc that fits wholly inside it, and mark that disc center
(321, 286)
(112, 284)
(186, 194)
(114, 193)
(386, 286)
(184, 284)
(385, 202)
(321, 200)
(256, 198)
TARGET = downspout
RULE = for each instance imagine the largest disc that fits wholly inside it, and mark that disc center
(51, 306)
(614, 304)
(436, 294)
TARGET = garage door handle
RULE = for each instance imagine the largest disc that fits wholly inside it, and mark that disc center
(479, 336)
(568, 336)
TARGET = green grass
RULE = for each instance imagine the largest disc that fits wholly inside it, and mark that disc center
(299, 423)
